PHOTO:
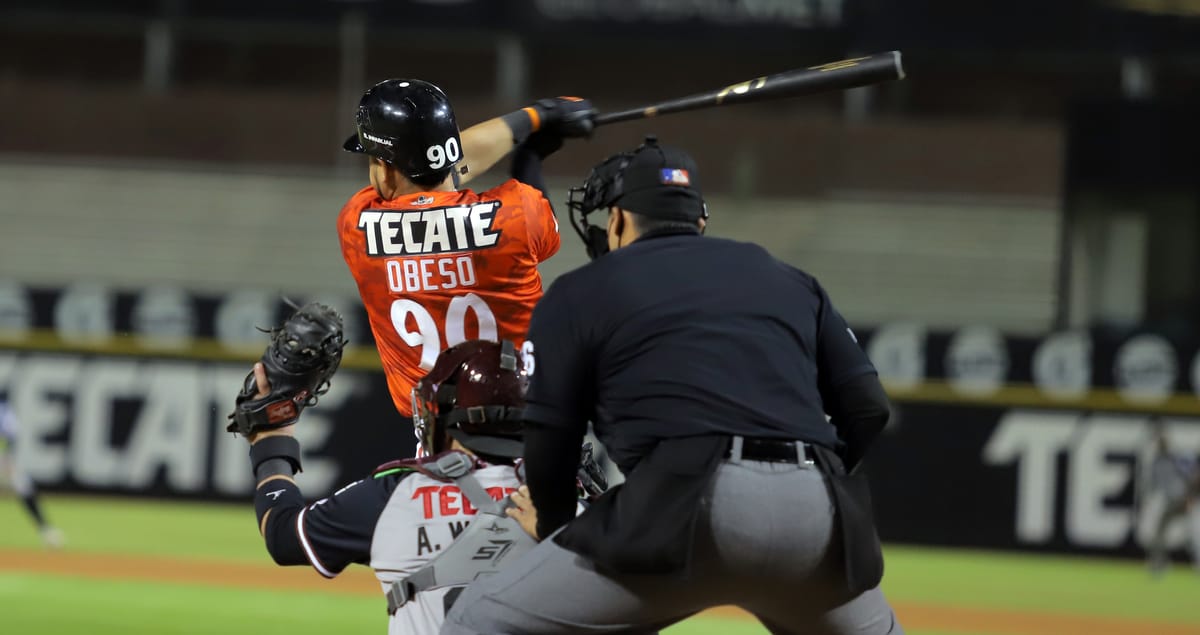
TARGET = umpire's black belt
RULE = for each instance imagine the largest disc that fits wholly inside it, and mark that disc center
(770, 450)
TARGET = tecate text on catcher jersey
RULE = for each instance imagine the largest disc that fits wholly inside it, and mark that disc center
(430, 231)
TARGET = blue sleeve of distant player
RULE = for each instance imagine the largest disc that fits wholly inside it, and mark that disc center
(8, 424)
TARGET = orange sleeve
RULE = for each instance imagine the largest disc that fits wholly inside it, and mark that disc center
(542, 224)
(351, 240)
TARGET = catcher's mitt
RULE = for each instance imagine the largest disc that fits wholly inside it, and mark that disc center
(300, 360)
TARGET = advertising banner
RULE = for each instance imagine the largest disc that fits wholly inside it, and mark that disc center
(1035, 443)
(1023, 478)
(127, 392)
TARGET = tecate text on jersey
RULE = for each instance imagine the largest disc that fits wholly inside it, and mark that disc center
(431, 231)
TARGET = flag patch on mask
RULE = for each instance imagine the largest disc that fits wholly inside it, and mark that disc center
(671, 176)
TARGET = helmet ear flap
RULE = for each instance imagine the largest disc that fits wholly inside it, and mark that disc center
(447, 395)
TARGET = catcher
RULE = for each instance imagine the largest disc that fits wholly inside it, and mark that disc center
(411, 520)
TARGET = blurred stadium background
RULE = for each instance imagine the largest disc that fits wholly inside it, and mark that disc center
(1014, 232)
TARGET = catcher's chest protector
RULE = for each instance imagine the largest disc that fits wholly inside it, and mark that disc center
(432, 537)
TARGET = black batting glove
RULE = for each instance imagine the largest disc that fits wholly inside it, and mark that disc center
(562, 117)
(569, 117)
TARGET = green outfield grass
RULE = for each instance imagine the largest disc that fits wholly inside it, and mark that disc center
(1051, 584)
(37, 603)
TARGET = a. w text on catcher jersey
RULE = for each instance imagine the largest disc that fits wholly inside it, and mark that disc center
(396, 522)
(435, 269)
(422, 517)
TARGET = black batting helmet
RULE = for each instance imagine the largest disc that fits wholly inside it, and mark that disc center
(475, 394)
(409, 124)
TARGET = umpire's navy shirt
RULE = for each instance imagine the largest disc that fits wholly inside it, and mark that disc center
(679, 334)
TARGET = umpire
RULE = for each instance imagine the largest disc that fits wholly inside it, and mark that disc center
(708, 368)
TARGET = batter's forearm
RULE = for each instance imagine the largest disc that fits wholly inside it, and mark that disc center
(484, 144)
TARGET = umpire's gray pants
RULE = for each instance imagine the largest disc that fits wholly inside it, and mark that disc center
(765, 544)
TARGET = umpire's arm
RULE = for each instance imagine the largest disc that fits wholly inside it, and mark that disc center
(551, 476)
(850, 388)
(557, 404)
(859, 409)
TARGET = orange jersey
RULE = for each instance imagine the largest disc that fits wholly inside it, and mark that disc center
(438, 268)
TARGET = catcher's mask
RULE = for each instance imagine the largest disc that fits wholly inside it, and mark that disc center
(475, 394)
(656, 181)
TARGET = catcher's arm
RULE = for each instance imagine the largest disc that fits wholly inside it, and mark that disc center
(275, 458)
(295, 369)
(329, 536)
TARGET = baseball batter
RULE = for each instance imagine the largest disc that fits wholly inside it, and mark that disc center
(410, 511)
(20, 482)
(436, 265)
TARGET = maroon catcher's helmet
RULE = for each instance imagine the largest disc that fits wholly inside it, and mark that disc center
(475, 394)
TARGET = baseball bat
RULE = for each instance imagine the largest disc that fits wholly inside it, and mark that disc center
(851, 73)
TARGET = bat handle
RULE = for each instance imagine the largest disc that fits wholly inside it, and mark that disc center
(623, 115)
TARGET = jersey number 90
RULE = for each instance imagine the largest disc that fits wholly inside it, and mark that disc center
(440, 155)
(426, 336)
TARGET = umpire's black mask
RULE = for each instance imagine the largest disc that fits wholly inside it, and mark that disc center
(655, 181)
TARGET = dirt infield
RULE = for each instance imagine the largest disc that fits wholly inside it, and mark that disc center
(360, 581)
